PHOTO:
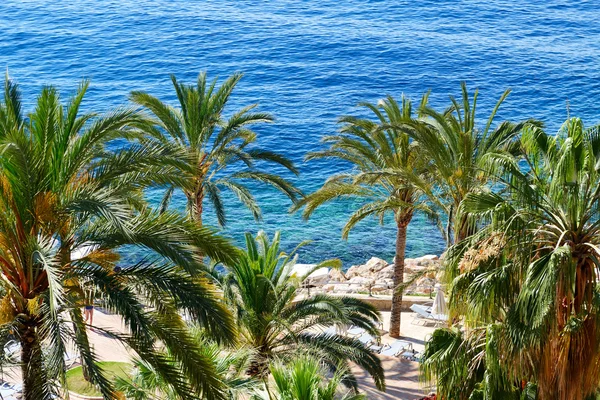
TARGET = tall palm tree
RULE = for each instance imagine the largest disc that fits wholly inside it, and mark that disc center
(304, 380)
(532, 272)
(67, 205)
(263, 290)
(459, 152)
(219, 151)
(388, 175)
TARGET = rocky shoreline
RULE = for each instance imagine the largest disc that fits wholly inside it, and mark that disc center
(375, 277)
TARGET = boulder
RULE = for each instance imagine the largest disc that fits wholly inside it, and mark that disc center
(379, 289)
(427, 260)
(375, 264)
(355, 288)
(316, 278)
(319, 280)
(337, 275)
(329, 287)
(352, 271)
(359, 280)
(370, 269)
(347, 288)
(387, 272)
(408, 262)
(425, 284)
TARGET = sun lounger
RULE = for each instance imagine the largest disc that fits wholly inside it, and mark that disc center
(367, 339)
(355, 331)
(439, 319)
(10, 391)
(395, 348)
(371, 342)
(375, 348)
(411, 355)
(12, 350)
(422, 315)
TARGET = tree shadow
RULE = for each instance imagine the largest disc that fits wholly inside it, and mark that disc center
(401, 378)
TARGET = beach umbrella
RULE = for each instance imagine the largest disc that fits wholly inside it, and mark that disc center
(439, 304)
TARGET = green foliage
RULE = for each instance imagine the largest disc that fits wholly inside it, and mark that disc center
(112, 370)
(217, 153)
(230, 367)
(389, 176)
(262, 290)
(460, 154)
(62, 193)
(303, 379)
(389, 173)
(528, 277)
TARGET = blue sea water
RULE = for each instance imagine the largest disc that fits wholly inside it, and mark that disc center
(309, 62)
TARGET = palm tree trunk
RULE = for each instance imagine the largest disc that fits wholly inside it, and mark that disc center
(195, 205)
(198, 206)
(34, 376)
(395, 318)
(464, 227)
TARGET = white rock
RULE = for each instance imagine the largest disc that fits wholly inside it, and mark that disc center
(343, 288)
(337, 275)
(379, 289)
(376, 264)
(352, 271)
(359, 280)
(302, 269)
(355, 288)
(387, 272)
(329, 287)
(427, 260)
(411, 269)
(318, 280)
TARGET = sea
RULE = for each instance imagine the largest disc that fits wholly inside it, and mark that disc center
(308, 63)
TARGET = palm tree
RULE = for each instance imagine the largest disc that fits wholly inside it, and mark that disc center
(466, 365)
(67, 205)
(219, 151)
(262, 289)
(389, 175)
(230, 366)
(459, 152)
(532, 271)
(304, 380)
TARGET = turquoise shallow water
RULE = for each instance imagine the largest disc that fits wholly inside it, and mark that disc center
(310, 62)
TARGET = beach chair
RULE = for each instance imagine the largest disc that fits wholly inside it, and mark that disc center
(423, 315)
(372, 342)
(10, 391)
(395, 348)
(355, 331)
(367, 339)
(411, 355)
(439, 319)
(12, 350)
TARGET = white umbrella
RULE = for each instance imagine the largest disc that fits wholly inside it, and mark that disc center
(439, 304)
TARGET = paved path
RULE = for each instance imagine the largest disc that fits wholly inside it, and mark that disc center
(402, 377)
